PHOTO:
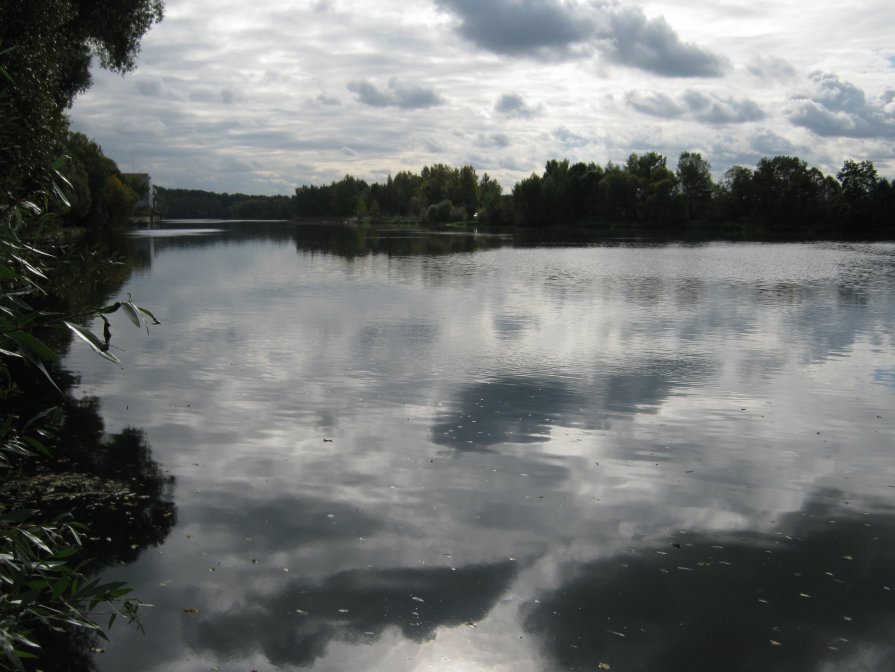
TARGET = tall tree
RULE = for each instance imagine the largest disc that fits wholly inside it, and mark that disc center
(46, 47)
(694, 176)
(858, 182)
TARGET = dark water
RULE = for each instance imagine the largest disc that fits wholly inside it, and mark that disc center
(406, 452)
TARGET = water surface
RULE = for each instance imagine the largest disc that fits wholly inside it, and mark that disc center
(398, 452)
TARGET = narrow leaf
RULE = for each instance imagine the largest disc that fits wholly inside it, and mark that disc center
(60, 195)
(133, 313)
(29, 267)
(148, 312)
(30, 345)
(93, 341)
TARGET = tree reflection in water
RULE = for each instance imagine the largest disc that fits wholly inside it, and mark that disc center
(108, 482)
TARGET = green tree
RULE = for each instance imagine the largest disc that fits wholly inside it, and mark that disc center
(119, 200)
(489, 207)
(345, 195)
(736, 190)
(859, 181)
(466, 194)
(97, 199)
(438, 183)
(655, 186)
(694, 176)
(406, 186)
(47, 46)
(528, 204)
(618, 194)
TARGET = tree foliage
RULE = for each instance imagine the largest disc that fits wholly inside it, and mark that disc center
(46, 47)
(437, 194)
(45, 51)
(39, 586)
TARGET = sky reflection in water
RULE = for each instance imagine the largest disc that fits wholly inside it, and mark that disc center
(415, 454)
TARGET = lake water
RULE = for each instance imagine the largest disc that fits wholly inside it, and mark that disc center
(407, 451)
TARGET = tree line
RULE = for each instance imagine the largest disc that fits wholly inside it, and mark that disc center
(781, 196)
(199, 204)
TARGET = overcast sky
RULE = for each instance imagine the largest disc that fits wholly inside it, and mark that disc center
(262, 96)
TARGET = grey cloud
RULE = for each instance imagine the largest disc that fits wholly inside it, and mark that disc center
(521, 27)
(836, 108)
(322, 6)
(768, 143)
(396, 94)
(655, 104)
(149, 87)
(771, 67)
(696, 105)
(328, 101)
(225, 96)
(652, 45)
(510, 163)
(716, 110)
(569, 138)
(496, 140)
(514, 105)
(552, 29)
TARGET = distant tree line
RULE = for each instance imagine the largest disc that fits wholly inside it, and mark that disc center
(199, 204)
(781, 197)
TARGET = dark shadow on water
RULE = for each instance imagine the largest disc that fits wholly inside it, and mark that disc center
(295, 626)
(815, 594)
(525, 409)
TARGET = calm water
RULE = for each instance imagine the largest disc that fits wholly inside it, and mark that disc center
(402, 452)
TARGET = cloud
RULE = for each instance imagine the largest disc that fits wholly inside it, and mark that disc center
(569, 138)
(652, 45)
(397, 94)
(554, 30)
(768, 143)
(326, 100)
(840, 109)
(514, 105)
(149, 87)
(493, 140)
(521, 27)
(696, 105)
(771, 67)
